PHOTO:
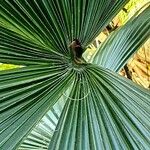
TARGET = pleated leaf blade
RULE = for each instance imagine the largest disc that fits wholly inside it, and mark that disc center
(123, 43)
(110, 112)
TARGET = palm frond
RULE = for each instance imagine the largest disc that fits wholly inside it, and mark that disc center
(102, 110)
(16, 49)
(26, 94)
(56, 24)
(123, 43)
(110, 112)
(41, 135)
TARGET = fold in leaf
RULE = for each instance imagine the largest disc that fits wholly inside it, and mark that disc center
(41, 135)
(123, 43)
(17, 50)
(110, 112)
(56, 24)
(26, 94)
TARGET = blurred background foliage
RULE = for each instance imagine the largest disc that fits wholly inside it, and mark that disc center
(138, 67)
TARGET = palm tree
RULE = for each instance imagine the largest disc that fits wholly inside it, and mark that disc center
(87, 105)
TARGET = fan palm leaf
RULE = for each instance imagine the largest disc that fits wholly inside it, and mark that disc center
(101, 110)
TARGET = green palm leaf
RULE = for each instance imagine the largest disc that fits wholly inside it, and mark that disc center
(110, 112)
(26, 95)
(56, 24)
(102, 110)
(41, 135)
(18, 50)
(122, 44)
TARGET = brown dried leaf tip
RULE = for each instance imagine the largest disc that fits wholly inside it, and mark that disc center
(76, 50)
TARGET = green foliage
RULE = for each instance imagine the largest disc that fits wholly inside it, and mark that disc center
(107, 55)
(87, 106)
